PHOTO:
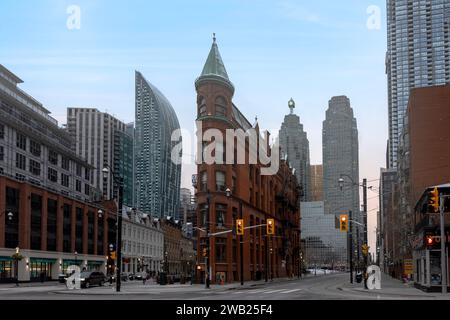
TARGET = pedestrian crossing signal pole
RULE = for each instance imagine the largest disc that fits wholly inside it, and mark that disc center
(440, 200)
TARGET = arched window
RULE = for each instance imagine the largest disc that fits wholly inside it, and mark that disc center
(221, 106)
(202, 106)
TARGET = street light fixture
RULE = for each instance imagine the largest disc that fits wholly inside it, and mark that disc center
(100, 213)
(119, 180)
(10, 215)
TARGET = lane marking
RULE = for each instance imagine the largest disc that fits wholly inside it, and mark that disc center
(290, 291)
(273, 291)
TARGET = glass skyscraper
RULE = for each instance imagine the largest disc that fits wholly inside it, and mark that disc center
(324, 245)
(157, 178)
(418, 56)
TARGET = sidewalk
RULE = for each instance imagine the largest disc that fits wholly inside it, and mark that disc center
(392, 287)
(31, 284)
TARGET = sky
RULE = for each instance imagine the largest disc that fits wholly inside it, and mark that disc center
(272, 49)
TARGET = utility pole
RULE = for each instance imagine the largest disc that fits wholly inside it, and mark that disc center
(365, 229)
(266, 255)
(241, 238)
(208, 201)
(443, 247)
(350, 245)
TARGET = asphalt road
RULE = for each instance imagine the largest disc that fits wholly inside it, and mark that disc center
(324, 287)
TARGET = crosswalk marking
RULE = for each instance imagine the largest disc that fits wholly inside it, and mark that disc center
(290, 291)
(273, 291)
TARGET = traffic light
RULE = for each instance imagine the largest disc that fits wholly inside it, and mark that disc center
(365, 249)
(270, 226)
(205, 252)
(433, 201)
(429, 241)
(113, 255)
(240, 227)
(343, 219)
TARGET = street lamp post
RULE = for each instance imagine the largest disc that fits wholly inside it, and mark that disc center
(208, 244)
(76, 257)
(119, 181)
(241, 238)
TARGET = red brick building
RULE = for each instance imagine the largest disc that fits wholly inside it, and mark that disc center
(429, 136)
(52, 231)
(260, 196)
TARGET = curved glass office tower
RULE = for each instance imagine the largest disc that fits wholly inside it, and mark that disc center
(157, 177)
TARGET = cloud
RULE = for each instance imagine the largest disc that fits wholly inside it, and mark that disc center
(297, 12)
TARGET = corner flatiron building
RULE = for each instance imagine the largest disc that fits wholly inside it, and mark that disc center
(157, 177)
(418, 56)
(294, 143)
(340, 157)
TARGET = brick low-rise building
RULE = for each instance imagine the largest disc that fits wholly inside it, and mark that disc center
(46, 194)
(253, 196)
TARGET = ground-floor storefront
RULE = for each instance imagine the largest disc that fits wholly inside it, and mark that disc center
(141, 264)
(427, 269)
(31, 266)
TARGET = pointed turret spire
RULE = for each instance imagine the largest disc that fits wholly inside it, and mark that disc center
(214, 67)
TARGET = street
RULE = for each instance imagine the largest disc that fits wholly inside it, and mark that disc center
(320, 287)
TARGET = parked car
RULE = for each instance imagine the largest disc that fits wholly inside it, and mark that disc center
(131, 276)
(62, 278)
(138, 276)
(91, 278)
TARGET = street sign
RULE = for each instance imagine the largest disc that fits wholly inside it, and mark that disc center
(365, 249)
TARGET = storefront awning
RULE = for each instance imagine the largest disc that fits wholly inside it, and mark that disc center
(95, 263)
(6, 258)
(42, 260)
(77, 262)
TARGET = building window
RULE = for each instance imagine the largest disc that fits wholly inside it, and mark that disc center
(2, 153)
(221, 250)
(204, 181)
(79, 230)
(78, 185)
(36, 221)
(87, 189)
(64, 180)
(52, 206)
(53, 157)
(2, 131)
(52, 175)
(202, 106)
(78, 170)
(87, 174)
(35, 148)
(203, 212)
(221, 213)
(21, 161)
(221, 107)
(100, 237)
(220, 181)
(91, 233)
(67, 228)
(35, 167)
(12, 226)
(21, 141)
(65, 163)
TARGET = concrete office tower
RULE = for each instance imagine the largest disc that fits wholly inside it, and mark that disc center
(295, 145)
(316, 182)
(157, 177)
(418, 56)
(340, 157)
(102, 140)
